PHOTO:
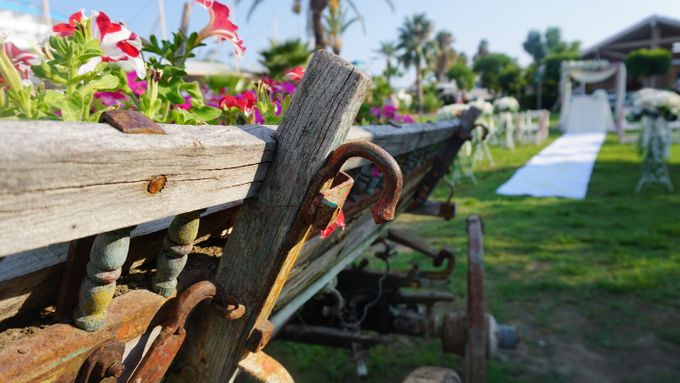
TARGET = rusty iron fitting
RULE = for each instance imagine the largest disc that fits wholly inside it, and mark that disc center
(104, 362)
(328, 203)
(162, 352)
(384, 209)
(261, 335)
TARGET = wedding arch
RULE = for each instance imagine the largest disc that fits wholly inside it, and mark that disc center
(588, 72)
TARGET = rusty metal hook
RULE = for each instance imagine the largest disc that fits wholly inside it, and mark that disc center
(383, 210)
(157, 360)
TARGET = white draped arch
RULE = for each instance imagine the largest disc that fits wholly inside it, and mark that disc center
(588, 72)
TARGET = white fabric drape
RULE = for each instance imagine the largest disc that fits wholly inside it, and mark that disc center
(588, 72)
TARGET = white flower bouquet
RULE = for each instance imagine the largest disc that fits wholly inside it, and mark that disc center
(451, 111)
(655, 103)
(485, 106)
(506, 104)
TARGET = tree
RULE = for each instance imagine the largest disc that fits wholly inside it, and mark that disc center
(336, 24)
(490, 68)
(555, 44)
(388, 50)
(315, 10)
(285, 55)
(445, 54)
(482, 50)
(647, 63)
(462, 74)
(535, 46)
(414, 35)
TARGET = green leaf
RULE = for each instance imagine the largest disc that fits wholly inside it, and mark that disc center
(106, 82)
(206, 113)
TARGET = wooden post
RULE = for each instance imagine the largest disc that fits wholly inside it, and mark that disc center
(264, 243)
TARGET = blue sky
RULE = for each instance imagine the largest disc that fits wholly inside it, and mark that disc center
(504, 23)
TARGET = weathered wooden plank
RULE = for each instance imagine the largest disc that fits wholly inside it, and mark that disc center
(71, 180)
(267, 238)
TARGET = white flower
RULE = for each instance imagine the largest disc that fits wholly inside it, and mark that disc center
(484, 106)
(506, 104)
(451, 111)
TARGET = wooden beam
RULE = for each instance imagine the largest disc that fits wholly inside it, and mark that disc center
(66, 181)
(266, 238)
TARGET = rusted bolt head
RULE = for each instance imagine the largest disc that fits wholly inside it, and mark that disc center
(23, 350)
(116, 370)
(157, 184)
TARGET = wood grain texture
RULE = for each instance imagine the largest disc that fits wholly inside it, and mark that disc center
(70, 180)
(321, 113)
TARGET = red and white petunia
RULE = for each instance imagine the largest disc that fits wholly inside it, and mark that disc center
(67, 29)
(220, 26)
(21, 59)
(119, 44)
(295, 74)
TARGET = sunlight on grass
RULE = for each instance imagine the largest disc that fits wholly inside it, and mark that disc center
(602, 259)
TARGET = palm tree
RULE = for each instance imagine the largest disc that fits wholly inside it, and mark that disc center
(283, 55)
(413, 38)
(388, 49)
(445, 55)
(337, 23)
(316, 8)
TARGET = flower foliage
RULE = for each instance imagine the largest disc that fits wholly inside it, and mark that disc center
(91, 64)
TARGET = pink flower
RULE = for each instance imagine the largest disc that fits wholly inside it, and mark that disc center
(119, 44)
(389, 112)
(295, 74)
(111, 98)
(137, 87)
(67, 29)
(21, 59)
(339, 222)
(220, 26)
(186, 105)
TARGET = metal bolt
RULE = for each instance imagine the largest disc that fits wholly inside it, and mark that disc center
(116, 370)
(157, 184)
(23, 350)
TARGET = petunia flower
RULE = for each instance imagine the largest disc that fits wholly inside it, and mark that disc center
(295, 74)
(67, 29)
(339, 222)
(220, 26)
(111, 98)
(119, 44)
(21, 59)
(137, 87)
(186, 105)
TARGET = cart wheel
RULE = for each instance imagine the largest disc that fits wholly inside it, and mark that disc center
(432, 375)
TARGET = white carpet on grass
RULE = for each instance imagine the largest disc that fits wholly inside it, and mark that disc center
(562, 169)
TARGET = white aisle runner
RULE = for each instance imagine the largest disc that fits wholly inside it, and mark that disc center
(562, 169)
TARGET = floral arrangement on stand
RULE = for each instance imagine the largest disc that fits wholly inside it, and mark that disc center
(481, 139)
(655, 108)
(506, 104)
(505, 107)
(91, 64)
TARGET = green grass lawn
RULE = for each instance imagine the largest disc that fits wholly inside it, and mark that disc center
(592, 285)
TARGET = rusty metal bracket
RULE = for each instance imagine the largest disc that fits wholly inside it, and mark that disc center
(162, 352)
(104, 362)
(131, 122)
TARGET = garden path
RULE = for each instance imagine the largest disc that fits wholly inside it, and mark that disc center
(562, 169)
